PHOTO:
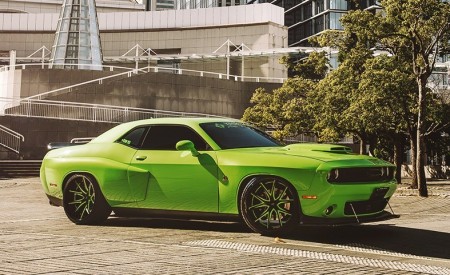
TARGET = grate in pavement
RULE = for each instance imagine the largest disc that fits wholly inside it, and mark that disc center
(395, 265)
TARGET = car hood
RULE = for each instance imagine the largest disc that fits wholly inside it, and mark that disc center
(322, 153)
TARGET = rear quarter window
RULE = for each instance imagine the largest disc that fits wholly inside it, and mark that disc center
(133, 138)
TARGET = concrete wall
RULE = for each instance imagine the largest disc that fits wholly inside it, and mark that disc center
(10, 87)
(162, 91)
(37, 81)
(38, 132)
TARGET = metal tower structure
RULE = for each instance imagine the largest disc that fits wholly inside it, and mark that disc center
(77, 39)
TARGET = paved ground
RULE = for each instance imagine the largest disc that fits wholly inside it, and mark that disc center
(36, 238)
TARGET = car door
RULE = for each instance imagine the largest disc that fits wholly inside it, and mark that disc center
(178, 180)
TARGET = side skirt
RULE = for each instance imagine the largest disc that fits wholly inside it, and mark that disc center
(157, 213)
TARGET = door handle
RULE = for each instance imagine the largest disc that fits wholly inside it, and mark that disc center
(141, 157)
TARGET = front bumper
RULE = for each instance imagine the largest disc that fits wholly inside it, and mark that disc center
(382, 216)
(54, 200)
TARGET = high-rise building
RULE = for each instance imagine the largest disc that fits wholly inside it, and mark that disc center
(306, 18)
(189, 4)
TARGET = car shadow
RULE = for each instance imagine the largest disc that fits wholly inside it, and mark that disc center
(179, 224)
(381, 237)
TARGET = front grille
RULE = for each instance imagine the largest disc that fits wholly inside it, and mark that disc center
(361, 174)
(365, 207)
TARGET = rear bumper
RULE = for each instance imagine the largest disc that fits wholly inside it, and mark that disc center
(382, 216)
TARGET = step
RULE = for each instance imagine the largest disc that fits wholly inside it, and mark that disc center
(19, 168)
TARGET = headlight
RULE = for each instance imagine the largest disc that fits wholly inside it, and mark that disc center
(360, 174)
(333, 175)
(385, 172)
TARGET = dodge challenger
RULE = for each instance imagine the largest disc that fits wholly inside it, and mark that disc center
(215, 168)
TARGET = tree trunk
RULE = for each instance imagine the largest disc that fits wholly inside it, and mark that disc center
(414, 184)
(372, 145)
(420, 161)
(362, 146)
(420, 156)
(399, 146)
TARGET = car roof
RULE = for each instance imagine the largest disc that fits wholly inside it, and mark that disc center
(118, 131)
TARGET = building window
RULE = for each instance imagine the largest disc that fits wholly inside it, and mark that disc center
(335, 23)
(289, 4)
(307, 11)
(320, 6)
(72, 51)
(337, 4)
(318, 24)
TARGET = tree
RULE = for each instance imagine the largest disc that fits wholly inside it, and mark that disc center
(423, 27)
(354, 102)
(282, 110)
(413, 31)
(387, 107)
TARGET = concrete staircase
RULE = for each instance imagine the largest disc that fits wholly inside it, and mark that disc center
(19, 168)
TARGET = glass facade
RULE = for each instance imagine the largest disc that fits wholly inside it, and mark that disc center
(195, 4)
(306, 18)
(77, 41)
(190, 4)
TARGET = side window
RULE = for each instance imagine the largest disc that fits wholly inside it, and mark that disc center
(165, 137)
(133, 138)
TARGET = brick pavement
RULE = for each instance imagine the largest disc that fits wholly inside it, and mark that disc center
(435, 188)
(36, 238)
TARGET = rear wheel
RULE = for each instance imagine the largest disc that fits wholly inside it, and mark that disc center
(83, 201)
(269, 205)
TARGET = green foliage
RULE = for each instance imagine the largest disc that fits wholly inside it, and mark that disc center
(283, 110)
(313, 66)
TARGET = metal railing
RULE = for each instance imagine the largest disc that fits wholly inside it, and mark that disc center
(48, 66)
(10, 139)
(87, 112)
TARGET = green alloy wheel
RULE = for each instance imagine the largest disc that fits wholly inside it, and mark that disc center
(269, 206)
(83, 201)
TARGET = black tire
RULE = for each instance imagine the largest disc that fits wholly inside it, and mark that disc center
(83, 201)
(270, 206)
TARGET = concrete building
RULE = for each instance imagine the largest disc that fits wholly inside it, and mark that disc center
(198, 33)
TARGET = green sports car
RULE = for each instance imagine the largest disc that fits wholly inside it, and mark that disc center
(215, 168)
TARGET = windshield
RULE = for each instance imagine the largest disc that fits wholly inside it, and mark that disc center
(229, 135)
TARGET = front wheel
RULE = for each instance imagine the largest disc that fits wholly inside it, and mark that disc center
(83, 201)
(269, 205)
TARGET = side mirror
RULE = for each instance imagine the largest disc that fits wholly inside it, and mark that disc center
(187, 145)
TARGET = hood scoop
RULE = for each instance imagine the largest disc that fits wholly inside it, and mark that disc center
(330, 148)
